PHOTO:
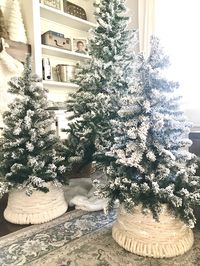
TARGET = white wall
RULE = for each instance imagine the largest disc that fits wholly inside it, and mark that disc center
(133, 12)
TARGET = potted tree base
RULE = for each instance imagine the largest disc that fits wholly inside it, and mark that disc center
(140, 234)
(37, 208)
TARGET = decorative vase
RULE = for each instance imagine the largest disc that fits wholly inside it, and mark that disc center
(140, 234)
(37, 208)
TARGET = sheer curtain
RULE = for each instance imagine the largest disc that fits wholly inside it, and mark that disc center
(177, 23)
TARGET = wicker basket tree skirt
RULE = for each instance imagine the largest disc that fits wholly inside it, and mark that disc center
(38, 208)
(142, 235)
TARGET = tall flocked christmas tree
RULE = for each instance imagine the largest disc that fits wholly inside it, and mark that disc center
(30, 149)
(150, 163)
(102, 81)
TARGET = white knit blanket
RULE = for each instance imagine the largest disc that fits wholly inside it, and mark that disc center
(80, 193)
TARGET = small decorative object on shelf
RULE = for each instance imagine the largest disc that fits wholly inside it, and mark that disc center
(46, 69)
(56, 105)
(52, 3)
(80, 46)
(74, 10)
(56, 39)
(65, 72)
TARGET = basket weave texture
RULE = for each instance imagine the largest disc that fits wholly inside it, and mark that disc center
(140, 234)
(38, 208)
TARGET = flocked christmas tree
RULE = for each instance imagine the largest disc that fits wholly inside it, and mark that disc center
(29, 149)
(102, 81)
(150, 163)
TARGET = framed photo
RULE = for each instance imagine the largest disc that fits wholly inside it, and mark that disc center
(80, 45)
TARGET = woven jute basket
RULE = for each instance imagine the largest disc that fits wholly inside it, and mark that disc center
(38, 208)
(140, 234)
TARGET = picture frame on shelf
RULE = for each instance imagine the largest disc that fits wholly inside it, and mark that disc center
(80, 45)
(53, 3)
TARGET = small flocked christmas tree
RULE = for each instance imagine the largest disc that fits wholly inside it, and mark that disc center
(29, 148)
(102, 81)
(16, 26)
(150, 163)
(3, 29)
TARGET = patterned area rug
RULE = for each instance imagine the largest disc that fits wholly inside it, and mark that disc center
(79, 239)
